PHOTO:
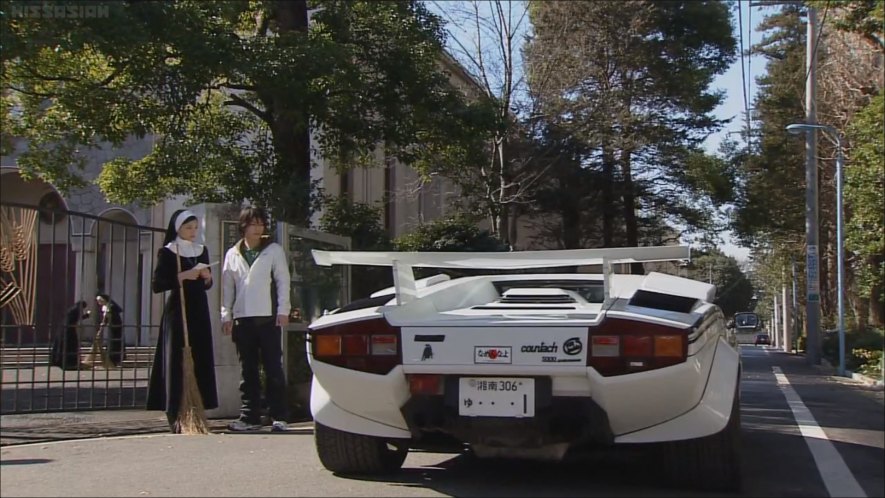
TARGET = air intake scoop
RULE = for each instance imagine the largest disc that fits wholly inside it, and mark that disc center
(540, 296)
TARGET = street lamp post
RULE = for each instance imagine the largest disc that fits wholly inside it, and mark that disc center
(840, 263)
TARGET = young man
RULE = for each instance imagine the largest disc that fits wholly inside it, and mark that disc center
(251, 267)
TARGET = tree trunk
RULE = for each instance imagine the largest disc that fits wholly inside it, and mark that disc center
(826, 258)
(608, 173)
(502, 231)
(861, 311)
(512, 229)
(571, 223)
(291, 131)
(877, 313)
(632, 228)
(877, 307)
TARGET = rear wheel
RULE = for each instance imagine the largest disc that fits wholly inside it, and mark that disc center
(708, 463)
(349, 453)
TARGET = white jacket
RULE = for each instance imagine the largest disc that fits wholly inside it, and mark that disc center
(245, 290)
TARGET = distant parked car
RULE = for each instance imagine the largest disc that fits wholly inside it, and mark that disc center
(763, 339)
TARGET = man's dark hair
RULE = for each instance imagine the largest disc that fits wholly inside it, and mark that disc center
(251, 214)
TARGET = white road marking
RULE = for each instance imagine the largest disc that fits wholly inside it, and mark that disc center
(833, 470)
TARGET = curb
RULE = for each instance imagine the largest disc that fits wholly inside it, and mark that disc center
(868, 381)
(828, 369)
(34, 429)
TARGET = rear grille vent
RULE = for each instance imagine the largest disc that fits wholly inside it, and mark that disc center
(544, 299)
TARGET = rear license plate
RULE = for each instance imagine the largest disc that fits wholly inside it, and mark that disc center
(496, 397)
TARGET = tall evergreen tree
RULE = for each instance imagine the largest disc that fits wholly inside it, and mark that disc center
(770, 199)
(633, 85)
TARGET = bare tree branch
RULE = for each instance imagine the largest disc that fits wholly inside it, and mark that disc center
(236, 100)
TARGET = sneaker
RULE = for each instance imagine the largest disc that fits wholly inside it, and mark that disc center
(279, 426)
(241, 425)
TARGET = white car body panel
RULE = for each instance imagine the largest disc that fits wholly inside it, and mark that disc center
(710, 415)
(370, 396)
(449, 326)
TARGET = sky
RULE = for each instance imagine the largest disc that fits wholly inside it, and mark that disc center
(733, 106)
(731, 82)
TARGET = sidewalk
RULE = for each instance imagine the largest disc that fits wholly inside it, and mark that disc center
(47, 427)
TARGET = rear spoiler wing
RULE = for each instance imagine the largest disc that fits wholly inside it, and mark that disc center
(403, 262)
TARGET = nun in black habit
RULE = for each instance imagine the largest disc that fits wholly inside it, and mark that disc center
(164, 392)
(66, 345)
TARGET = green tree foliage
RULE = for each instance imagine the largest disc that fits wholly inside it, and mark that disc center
(865, 193)
(229, 90)
(454, 234)
(357, 220)
(864, 17)
(772, 269)
(568, 192)
(771, 194)
(632, 83)
(768, 212)
(457, 233)
(360, 222)
(734, 291)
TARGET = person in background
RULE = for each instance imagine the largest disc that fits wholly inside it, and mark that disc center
(66, 345)
(253, 268)
(164, 389)
(112, 320)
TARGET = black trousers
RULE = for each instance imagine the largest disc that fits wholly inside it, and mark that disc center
(259, 344)
(115, 344)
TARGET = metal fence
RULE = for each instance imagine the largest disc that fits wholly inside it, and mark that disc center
(50, 260)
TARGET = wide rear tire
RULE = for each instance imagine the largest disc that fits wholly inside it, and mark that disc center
(347, 453)
(711, 463)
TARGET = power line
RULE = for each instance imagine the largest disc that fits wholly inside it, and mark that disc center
(749, 73)
(743, 74)
(749, 64)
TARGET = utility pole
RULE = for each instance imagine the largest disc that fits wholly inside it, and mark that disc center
(786, 315)
(812, 261)
(793, 330)
(775, 329)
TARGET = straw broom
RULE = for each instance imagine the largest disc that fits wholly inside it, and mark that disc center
(191, 414)
(98, 354)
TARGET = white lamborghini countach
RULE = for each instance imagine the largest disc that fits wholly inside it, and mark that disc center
(527, 365)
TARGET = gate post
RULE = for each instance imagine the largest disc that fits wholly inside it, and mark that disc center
(86, 274)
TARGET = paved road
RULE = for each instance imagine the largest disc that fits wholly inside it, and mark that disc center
(780, 456)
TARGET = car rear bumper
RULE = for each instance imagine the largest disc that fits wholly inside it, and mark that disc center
(685, 401)
(556, 420)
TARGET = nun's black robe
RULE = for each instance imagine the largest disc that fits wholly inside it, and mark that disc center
(164, 392)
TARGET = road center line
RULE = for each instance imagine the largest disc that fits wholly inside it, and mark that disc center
(833, 470)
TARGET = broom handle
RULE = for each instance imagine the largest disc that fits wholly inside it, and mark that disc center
(181, 296)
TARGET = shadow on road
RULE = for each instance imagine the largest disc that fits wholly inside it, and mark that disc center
(24, 461)
(627, 472)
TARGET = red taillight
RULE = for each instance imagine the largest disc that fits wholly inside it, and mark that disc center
(426, 384)
(605, 345)
(637, 345)
(619, 346)
(355, 345)
(369, 346)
